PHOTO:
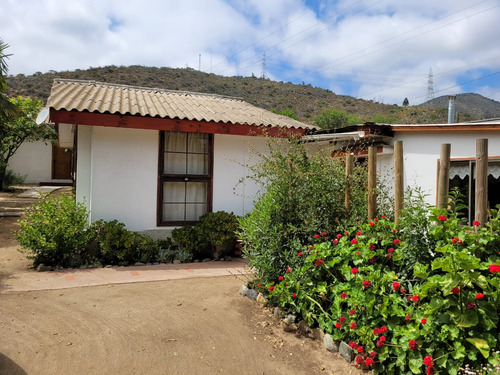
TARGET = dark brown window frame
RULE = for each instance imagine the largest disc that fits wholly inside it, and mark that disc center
(162, 177)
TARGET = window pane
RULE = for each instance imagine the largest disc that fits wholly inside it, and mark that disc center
(194, 211)
(197, 164)
(173, 212)
(174, 164)
(198, 143)
(174, 192)
(196, 192)
(175, 141)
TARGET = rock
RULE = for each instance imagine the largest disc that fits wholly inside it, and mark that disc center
(43, 268)
(289, 327)
(330, 344)
(243, 290)
(303, 328)
(196, 261)
(261, 300)
(108, 266)
(317, 334)
(176, 261)
(252, 294)
(83, 267)
(139, 264)
(278, 313)
(291, 318)
(156, 263)
(346, 351)
(206, 260)
(228, 258)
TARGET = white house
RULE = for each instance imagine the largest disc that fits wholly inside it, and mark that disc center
(155, 159)
(421, 150)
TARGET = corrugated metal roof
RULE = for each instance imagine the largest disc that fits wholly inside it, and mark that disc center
(99, 97)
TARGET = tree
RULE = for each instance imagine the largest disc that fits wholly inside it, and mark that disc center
(20, 128)
(334, 118)
(285, 112)
(406, 102)
(6, 107)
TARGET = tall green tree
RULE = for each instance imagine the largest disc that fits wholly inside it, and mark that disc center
(20, 128)
(7, 109)
(335, 118)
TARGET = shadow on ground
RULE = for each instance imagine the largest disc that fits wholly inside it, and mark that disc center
(8, 366)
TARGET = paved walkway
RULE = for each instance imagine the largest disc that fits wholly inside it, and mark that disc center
(32, 280)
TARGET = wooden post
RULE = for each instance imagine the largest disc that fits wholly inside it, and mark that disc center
(444, 176)
(372, 182)
(398, 180)
(349, 166)
(481, 180)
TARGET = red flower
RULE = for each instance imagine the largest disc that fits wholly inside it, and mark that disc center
(403, 290)
(428, 361)
(414, 298)
(423, 321)
(494, 268)
(323, 233)
(372, 246)
(442, 218)
(358, 252)
(383, 216)
(337, 325)
(408, 317)
(476, 223)
(310, 247)
(352, 312)
(342, 319)
(258, 285)
(271, 288)
(396, 241)
(470, 306)
(379, 343)
(455, 290)
(368, 362)
(339, 236)
(288, 270)
(393, 230)
(353, 345)
(354, 271)
(390, 250)
(383, 329)
(319, 262)
(358, 233)
(382, 338)
(366, 284)
(371, 223)
(457, 241)
(299, 254)
(375, 219)
(395, 285)
(373, 260)
(479, 295)
(389, 255)
(413, 345)
(431, 370)
(294, 295)
(316, 236)
(373, 354)
(346, 233)
(376, 331)
(354, 241)
(280, 278)
(343, 295)
(335, 241)
(359, 360)
(360, 349)
(353, 325)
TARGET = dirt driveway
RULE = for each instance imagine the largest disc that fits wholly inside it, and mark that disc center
(189, 326)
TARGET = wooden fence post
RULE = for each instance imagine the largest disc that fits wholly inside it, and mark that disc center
(372, 182)
(444, 176)
(349, 166)
(481, 198)
(398, 180)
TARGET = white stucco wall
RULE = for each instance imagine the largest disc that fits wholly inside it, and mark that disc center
(117, 174)
(422, 151)
(33, 160)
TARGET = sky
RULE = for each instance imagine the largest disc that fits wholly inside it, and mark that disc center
(380, 50)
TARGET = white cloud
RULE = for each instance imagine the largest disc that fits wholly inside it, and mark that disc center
(369, 49)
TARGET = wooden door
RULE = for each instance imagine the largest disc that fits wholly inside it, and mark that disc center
(61, 163)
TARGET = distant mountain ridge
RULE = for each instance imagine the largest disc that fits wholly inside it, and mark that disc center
(303, 99)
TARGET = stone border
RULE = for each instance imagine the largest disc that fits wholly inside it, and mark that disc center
(291, 323)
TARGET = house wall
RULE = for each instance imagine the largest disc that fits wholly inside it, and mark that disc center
(117, 175)
(33, 160)
(422, 151)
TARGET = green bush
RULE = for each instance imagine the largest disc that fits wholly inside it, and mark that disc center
(55, 231)
(304, 196)
(441, 317)
(189, 238)
(219, 230)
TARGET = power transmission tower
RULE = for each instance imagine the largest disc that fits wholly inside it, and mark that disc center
(430, 86)
(263, 65)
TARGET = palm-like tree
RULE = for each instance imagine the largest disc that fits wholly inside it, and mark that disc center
(7, 109)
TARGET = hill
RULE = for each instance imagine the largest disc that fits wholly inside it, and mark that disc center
(304, 100)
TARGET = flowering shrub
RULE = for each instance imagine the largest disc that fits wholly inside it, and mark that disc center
(432, 318)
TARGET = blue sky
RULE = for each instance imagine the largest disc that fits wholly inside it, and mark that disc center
(379, 50)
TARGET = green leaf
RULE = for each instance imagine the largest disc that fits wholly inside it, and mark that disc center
(416, 365)
(467, 319)
(420, 271)
(480, 345)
